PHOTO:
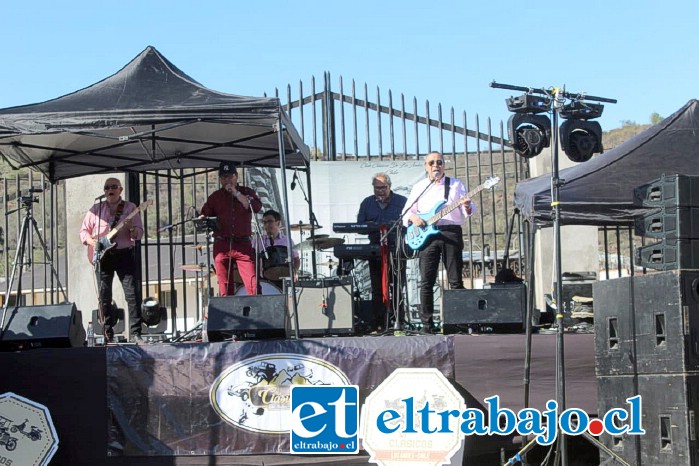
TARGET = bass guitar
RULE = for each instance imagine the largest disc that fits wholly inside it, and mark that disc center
(104, 244)
(416, 236)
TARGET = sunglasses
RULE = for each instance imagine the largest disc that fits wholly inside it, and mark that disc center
(111, 186)
(438, 162)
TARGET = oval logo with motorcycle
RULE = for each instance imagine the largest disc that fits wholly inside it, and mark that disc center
(254, 394)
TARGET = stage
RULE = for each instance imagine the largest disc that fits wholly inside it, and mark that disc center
(158, 404)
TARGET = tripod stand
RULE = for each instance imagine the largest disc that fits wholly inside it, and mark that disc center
(21, 258)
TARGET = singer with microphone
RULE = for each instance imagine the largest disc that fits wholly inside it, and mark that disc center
(120, 258)
(384, 207)
(233, 205)
(447, 245)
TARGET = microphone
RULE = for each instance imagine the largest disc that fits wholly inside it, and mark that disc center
(438, 177)
(293, 180)
(99, 198)
(166, 227)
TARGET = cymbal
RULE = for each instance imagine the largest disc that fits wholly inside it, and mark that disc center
(196, 246)
(193, 267)
(302, 227)
(327, 243)
(318, 241)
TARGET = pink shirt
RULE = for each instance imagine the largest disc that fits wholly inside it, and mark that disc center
(280, 240)
(103, 214)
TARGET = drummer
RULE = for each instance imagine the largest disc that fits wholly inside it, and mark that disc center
(273, 240)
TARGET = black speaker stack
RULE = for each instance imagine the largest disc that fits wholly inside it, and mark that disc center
(647, 330)
(674, 222)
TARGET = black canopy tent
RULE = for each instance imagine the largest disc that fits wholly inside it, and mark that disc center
(148, 116)
(600, 191)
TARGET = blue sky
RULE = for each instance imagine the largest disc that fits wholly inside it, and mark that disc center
(641, 53)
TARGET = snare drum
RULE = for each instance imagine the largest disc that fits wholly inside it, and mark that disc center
(267, 289)
(276, 265)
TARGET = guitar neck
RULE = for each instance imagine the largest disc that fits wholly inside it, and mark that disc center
(112, 233)
(448, 209)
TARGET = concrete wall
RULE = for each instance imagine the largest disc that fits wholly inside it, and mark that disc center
(579, 244)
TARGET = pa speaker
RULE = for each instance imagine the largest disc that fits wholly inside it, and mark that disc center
(48, 326)
(502, 308)
(669, 191)
(325, 307)
(246, 317)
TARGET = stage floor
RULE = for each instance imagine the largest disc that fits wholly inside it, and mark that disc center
(72, 384)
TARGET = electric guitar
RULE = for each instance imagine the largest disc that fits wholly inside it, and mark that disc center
(104, 244)
(416, 236)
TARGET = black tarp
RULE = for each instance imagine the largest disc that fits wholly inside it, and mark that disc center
(148, 116)
(600, 191)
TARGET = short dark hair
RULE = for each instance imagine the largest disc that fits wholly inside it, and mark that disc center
(273, 213)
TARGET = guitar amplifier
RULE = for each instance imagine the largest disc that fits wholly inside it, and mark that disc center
(325, 307)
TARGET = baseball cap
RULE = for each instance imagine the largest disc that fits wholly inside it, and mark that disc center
(227, 168)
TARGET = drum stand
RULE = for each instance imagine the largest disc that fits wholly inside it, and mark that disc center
(23, 259)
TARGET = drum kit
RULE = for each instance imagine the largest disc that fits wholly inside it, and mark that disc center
(319, 242)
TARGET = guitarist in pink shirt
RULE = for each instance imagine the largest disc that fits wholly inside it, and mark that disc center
(441, 240)
(110, 230)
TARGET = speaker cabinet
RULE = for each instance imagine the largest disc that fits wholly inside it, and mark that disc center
(501, 307)
(615, 349)
(669, 404)
(669, 254)
(246, 317)
(325, 307)
(647, 324)
(669, 191)
(47, 326)
(669, 223)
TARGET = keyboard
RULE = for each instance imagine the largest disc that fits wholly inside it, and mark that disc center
(362, 228)
(357, 251)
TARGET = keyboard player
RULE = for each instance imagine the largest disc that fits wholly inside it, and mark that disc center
(384, 207)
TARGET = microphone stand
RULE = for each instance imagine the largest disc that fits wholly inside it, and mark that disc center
(314, 224)
(98, 273)
(397, 327)
(256, 250)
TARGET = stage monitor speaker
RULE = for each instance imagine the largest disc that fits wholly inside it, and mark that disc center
(501, 308)
(46, 326)
(669, 191)
(325, 307)
(246, 317)
(118, 327)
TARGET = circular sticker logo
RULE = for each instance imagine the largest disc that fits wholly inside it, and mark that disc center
(254, 394)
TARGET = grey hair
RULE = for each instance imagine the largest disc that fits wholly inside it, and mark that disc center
(382, 175)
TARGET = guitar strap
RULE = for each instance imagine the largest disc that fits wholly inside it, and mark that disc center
(446, 188)
(119, 211)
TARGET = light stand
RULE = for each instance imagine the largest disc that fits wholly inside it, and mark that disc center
(555, 99)
(20, 259)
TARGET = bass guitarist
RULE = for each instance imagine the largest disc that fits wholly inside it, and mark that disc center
(446, 242)
(120, 259)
